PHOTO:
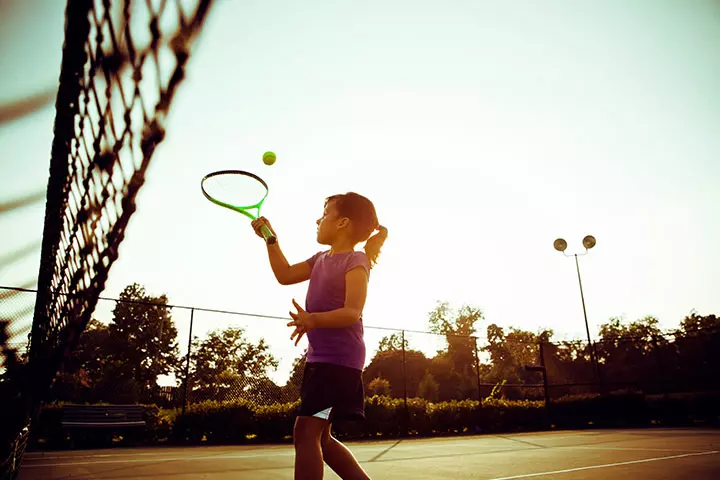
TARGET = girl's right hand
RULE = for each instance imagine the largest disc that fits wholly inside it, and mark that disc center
(257, 225)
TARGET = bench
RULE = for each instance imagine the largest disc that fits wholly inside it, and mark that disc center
(102, 416)
(94, 425)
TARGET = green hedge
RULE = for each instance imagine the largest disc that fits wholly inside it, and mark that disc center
(615, 410)
(241, 422)
(685, 409)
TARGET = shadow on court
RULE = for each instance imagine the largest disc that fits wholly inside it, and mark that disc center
(597, 454)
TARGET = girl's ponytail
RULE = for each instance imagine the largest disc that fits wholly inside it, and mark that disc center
(374, 244)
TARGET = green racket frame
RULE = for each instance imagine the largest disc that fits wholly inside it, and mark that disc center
(245, 210)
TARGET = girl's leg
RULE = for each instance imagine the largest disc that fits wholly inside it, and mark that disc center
(308, 452)
(340, 458)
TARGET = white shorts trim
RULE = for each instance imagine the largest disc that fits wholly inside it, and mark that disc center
(325, 414)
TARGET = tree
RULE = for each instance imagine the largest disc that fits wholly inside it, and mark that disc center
(453, 368)
(141, 343)
(379, 386)
(225, 366)
(615, 330)
(446, 321)
(291, 390)
(389, 365)
(567, 363)
(511, 352)
(628, 353)
(392, 342)
(264, 391)
(10, 359)
(429, 388)
(83, 376)
(121, 361)
(457, 326)
(450, 381)
(695, 359)
(696, 323)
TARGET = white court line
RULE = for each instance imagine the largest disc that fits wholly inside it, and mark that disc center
(590, 446)
(37, 456)
(171, 459)
(159, 459)
(632, 449)
(28, 455)
(591, 467)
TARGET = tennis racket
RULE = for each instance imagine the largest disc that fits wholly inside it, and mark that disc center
(240, 191)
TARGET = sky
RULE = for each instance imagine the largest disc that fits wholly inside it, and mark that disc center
(481, 130)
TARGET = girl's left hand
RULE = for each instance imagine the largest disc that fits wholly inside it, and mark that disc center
(302, 321)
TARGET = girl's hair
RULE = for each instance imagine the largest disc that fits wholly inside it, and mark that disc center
(361, 213)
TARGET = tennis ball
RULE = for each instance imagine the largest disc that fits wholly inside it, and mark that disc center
(269, 158)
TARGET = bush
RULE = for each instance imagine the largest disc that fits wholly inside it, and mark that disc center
(619, 409)
(239, 421)
(499, 415)
(418, 421)
(48, 432)
(274, 423)
(382, 416)
(163, 424)
(453, 416)
(379, 386)
(214, 422)
(685, 409)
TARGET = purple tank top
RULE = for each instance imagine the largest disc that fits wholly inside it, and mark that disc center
(342, 346)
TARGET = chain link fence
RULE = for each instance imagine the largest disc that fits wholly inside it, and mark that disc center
(16, 313)
(139, 349)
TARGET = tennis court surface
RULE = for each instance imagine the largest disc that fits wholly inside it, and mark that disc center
(617, 454)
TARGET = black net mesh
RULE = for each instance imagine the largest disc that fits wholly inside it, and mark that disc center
(122, 64)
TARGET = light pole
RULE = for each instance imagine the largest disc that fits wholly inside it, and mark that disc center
(588, 242)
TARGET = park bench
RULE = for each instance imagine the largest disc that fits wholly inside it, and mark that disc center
(100, 422)
(102, 416)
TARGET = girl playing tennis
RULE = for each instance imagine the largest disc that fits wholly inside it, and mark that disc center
(332, 387)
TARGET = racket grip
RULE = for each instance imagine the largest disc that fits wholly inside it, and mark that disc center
(269, 236)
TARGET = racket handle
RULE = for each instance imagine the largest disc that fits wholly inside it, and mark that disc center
(269, 236)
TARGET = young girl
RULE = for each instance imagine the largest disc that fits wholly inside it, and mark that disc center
(332, 387)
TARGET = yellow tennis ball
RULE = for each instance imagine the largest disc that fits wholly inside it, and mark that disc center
(269, 158)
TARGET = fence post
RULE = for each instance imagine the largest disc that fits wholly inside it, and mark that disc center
(658, 360)
(544, 375)
(187, 362)
(404, 375)
(477, 369)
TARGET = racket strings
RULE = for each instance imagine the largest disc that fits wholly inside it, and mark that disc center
(235, 189)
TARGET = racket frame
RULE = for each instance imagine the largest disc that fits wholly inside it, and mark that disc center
(270, 238)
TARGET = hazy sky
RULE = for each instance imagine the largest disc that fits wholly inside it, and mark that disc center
(481, 130)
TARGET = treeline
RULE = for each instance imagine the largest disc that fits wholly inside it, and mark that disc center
(120, 362)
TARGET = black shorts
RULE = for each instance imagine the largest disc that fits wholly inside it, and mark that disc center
(332, 392)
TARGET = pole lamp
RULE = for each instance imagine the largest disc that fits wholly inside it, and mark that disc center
(588, 242)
